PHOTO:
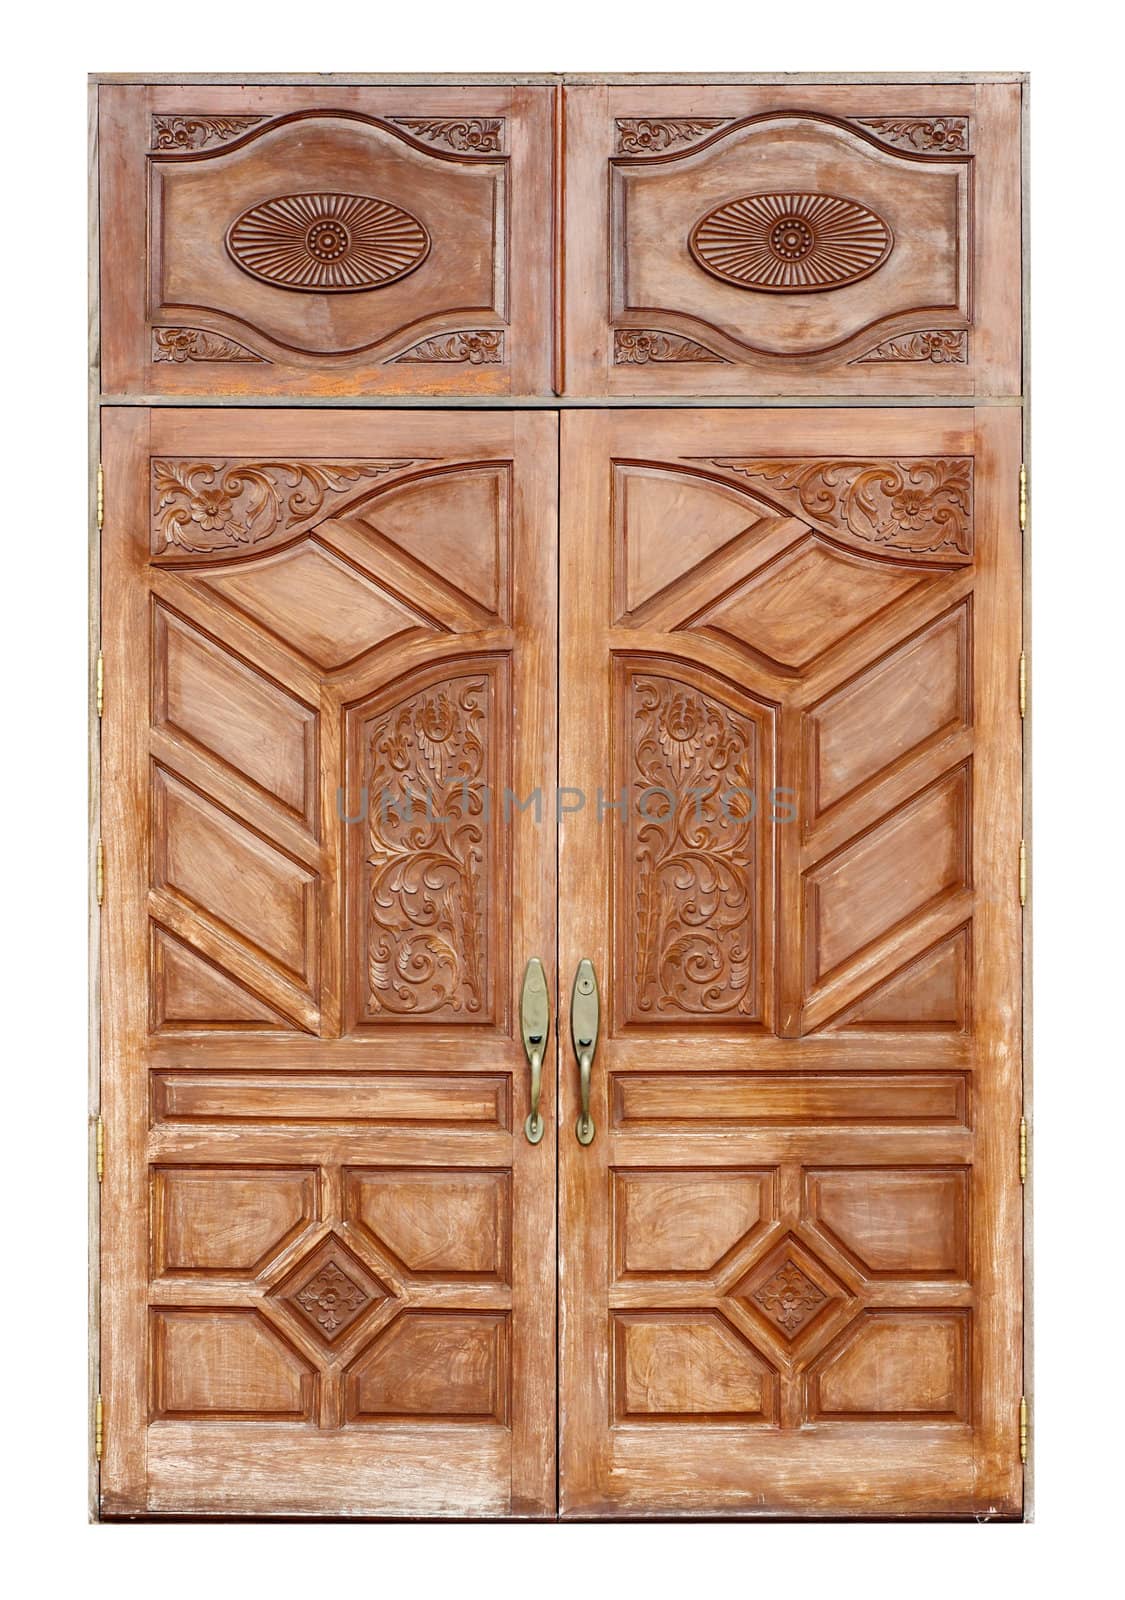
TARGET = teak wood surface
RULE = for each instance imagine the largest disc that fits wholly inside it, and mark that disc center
(723, 536)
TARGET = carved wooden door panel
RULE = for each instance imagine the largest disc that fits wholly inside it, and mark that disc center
(328, 1250)
(791, 1255)
(282, 240)
(846, 239)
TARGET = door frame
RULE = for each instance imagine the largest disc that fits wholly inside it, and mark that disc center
(96, 400)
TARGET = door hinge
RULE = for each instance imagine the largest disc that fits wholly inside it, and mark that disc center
(99, 1149)
(99, 873)
(99, 1429)
(99, 684)
(101, 496)
(1023, 684)
(1023, 497)
(1023, 872)
(1023, 1149)
(1023, 1427)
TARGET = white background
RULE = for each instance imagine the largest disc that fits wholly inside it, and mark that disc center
(1078, 147)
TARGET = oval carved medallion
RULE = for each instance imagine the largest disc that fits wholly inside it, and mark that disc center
(327, 243)
(790, 243)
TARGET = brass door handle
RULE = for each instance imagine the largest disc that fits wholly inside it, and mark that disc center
(535, 1025)
(584, 1035)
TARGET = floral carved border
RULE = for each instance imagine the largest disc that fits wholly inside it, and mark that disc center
(197, 344)
(928, 135)
(942, 346)
(202, 506)
(639, 346)
(650, 136)
(196, 130)
(478, 346)
(924, 507)
(474, 136)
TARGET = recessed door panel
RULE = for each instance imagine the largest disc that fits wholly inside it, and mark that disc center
(337, 241)
(791, 1250)
(833, 238)
(326, 1239)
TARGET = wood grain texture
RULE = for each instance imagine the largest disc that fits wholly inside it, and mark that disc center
(326, 241)
(790, 1260)
(321, 1214)
(829, 238)
(788, 1268)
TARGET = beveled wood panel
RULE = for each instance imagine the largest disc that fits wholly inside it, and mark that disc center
(809, 239)
(325, 241)
(791, 1254)
(329, 645)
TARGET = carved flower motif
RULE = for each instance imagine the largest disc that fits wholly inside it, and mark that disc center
(790, 1298)
(178, 344)
(642, 347)
(244, 502)
(646, 135)
(211, 508)
(331, 1299)
(437, 718)
(480, 347)
(909, 509)
(948, 134)
(682, 723)
(639, 136)
(427, 870)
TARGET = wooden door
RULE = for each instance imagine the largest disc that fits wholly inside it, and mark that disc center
(793, 239)
(286, 239)
(328, 1257)
(791, 1255)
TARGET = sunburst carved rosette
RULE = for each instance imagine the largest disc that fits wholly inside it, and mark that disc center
(690, 857)
(426, 860)
(790, 243)
(327, 243)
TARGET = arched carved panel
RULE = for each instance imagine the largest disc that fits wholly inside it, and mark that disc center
(427, 877)
(693, 762)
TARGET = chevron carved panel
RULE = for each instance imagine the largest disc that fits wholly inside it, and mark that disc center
(796, 645)
(326, 644)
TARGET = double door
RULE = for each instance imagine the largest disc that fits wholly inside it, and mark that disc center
(714, 714)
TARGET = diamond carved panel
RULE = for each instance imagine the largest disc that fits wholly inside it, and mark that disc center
(330, 1290)
(790, 1290)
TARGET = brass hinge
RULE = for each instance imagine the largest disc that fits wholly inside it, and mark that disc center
(99, 1149)
(99, 873)
(1023, 1149)
(1023, 496)
(99, 680)
(1023, 872)
(99, 1429)
(1023, 684)
(101, 496)
(1023, 1427)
